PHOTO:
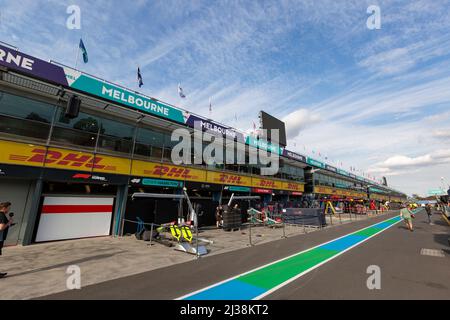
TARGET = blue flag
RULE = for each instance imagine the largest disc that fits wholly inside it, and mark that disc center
(84, 51)
(141, 83)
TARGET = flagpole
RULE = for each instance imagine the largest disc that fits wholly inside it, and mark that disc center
(78, 53)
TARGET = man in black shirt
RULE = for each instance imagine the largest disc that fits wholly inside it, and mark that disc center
(5, 223)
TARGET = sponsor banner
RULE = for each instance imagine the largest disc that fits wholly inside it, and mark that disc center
(266, 183)
(331, 168)
(39, 156)
(343, 172)
(83, 177)
(19, 153)
(293, 155)
(203, 186)
(264, 145)
(29, 65)
(238, 189)
(74, 217)
(123, 96)
(296, 193)
(83, 161)
(263, 191)
(228, 178)
(226, 132)
(162, 170)
(293, 186)
(156, 182)
(315, 163)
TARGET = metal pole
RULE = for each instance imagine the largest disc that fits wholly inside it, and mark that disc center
(250, 232)
(196, 226)
(151, 234)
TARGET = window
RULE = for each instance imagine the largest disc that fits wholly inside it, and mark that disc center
(23, 117)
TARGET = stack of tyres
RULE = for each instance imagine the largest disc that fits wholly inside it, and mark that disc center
(232, 219)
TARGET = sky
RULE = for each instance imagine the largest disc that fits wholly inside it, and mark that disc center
(377, 100)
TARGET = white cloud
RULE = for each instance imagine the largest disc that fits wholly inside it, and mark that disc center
(299, 120)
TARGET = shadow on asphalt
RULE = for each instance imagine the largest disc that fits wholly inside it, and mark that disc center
(68, 263)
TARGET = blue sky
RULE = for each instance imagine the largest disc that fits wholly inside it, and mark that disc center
(378, 100)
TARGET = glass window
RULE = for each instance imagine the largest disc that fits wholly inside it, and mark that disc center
(23, 117)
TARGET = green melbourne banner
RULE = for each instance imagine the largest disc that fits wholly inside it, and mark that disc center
(316, 163)
(126, 97)
(262, 144)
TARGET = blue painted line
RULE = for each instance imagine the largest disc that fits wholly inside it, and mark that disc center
(344, 243)
(233, 288)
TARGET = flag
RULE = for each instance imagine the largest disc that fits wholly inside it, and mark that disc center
(180, 92)
(83, 51)
(141, 83)
(210, 105)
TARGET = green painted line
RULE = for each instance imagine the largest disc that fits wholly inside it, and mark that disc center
(275, 274)
(368, 232)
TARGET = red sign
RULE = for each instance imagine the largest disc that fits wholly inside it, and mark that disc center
(296, 193)
(266, 191)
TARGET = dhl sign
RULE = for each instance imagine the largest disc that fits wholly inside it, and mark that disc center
(40, 156)
(159, 170)
(229, 179)
(266, 183)
(292, 186)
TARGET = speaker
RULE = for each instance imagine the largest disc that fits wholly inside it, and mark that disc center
(73, 107)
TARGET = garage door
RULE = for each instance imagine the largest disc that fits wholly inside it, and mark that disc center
(74, 217)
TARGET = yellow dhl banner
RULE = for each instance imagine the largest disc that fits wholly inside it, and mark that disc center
(162, 170)
(228, 179)
(266, 183)
(324, 190)
(292, 186)
(35, 155)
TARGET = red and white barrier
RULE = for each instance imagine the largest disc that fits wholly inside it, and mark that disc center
(74, 217)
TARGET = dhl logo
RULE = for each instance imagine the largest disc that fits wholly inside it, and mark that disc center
(293, 186)
(226, 178)
(266, 184)
(43, 156)
(172, 172)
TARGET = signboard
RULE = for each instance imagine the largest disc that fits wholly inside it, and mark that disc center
(162, 170)
(26, 64)
(226, 132)
(344, 173)
(266, 183)
(237, 189)
(264, 191)
(117, 94)
(293, 186)
(315, 163)
(331, 168)
(436, 192)
(31, 155)
(264, 145)
(293, 156)
(203, 186)
(228, 178)
(157, 182)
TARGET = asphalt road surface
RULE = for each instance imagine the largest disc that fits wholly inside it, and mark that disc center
(405, 272)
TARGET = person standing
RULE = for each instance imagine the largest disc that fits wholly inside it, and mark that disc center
(405, 214)
(429, 212)
(219, 215)
(5, 223)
